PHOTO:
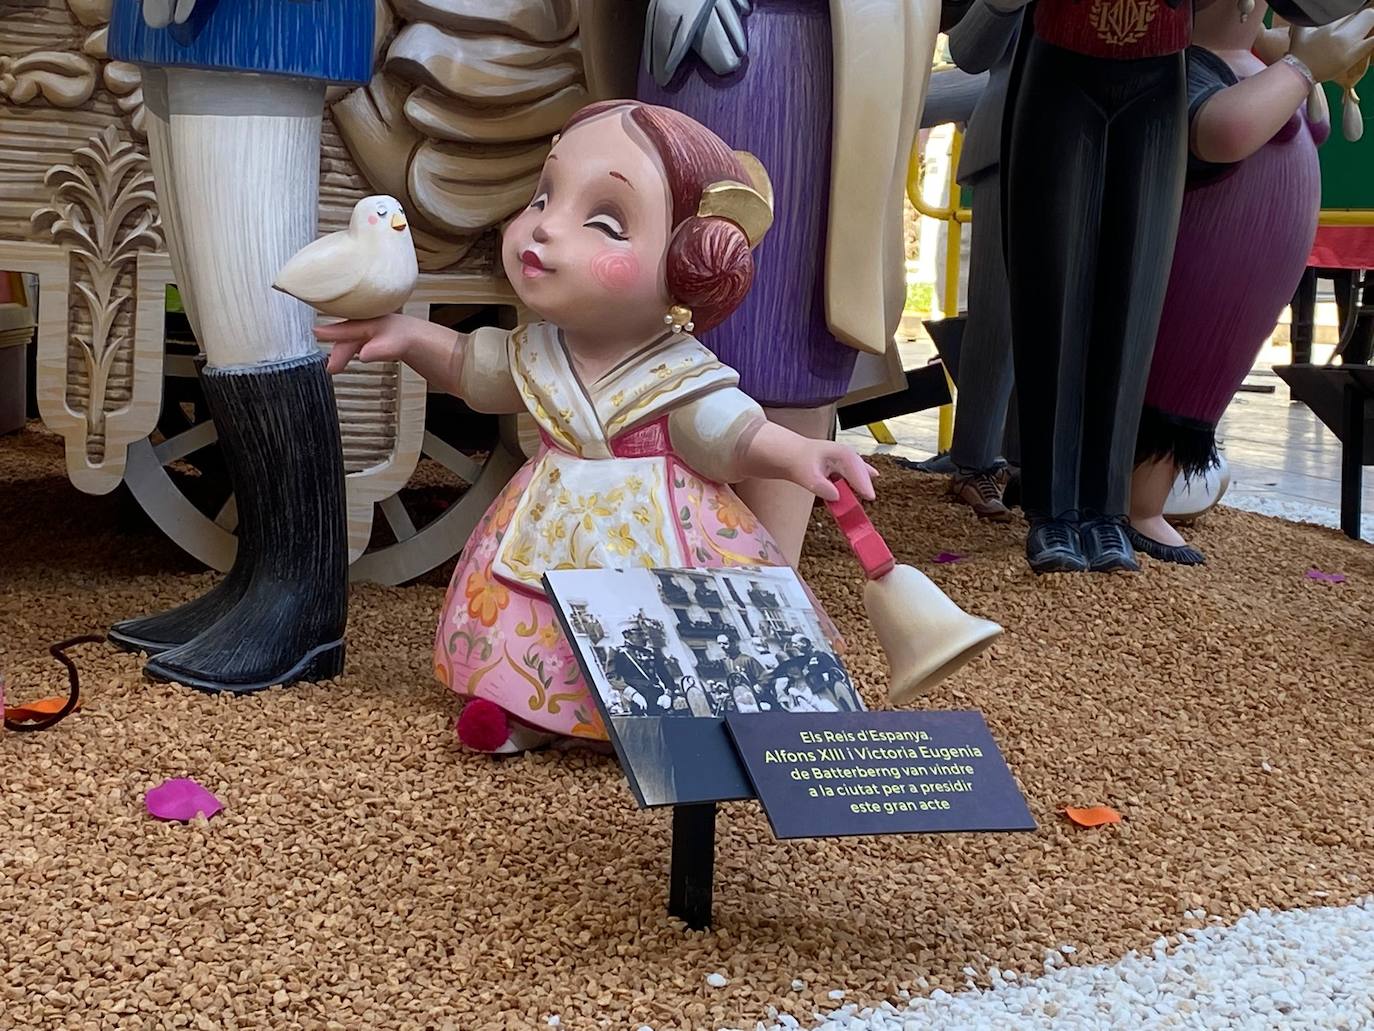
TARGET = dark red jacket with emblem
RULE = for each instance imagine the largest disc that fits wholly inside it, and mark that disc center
(1116, 29)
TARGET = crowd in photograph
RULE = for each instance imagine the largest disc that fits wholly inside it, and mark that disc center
(645, 679)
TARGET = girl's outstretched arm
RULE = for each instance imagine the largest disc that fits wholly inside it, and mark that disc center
(771, 452)
(433, 351)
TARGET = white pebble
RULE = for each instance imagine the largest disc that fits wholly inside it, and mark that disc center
(555, 1020)
(798, 985)
(717, 980)
(837, 994)
(1068, 950)
(1302, 970)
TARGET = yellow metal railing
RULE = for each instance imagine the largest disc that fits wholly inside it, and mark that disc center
(1346, 217)
(957, 217)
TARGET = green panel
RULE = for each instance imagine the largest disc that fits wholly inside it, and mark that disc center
(1348, 168)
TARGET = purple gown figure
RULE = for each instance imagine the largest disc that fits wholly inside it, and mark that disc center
(1244, 237)
(778, 340)
(1257, 220)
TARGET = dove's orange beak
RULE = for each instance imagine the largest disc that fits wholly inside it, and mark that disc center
(398, 221)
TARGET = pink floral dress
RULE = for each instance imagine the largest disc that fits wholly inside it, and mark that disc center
(631, 471)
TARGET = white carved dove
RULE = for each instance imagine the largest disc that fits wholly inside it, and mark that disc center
(362, 272)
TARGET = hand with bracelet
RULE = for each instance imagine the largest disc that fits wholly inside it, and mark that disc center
(1238, 121)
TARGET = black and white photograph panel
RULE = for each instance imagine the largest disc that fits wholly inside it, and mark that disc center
(702, 642)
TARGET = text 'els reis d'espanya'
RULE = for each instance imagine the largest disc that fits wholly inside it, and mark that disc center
(856, 752)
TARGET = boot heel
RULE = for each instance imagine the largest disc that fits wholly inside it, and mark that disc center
(327, 665)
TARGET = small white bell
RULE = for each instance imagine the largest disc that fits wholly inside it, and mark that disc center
(924, 635)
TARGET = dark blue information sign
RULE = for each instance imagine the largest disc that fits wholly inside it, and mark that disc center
(834, 774)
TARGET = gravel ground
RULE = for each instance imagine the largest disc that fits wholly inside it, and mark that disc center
(1295, 511)
(1302, 969)
(366, 873)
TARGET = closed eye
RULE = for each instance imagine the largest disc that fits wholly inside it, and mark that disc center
(607, 224)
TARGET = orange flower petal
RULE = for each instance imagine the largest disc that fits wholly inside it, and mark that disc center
(1092, 816)
(37, 710)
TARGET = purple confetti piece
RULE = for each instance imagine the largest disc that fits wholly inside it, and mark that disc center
(946, 557)
(181, 799)
(1326, 578)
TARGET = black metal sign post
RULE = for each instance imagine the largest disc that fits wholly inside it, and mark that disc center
(692, 874)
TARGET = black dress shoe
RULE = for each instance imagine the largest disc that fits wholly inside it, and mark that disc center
(1052, 546)
(1183, 555)
(1106, 545)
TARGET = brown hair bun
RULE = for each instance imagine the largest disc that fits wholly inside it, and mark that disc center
(709, 269)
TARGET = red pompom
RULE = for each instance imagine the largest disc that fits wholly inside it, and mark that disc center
(482, 725)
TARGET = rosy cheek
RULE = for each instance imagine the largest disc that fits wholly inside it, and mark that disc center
(616, 270)
(372, 219)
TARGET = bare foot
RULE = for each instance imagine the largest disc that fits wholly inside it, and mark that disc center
(1157, 528)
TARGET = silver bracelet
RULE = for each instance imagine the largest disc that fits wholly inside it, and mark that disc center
(1297, 64)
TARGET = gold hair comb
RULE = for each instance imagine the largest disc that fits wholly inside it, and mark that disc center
(749, 206)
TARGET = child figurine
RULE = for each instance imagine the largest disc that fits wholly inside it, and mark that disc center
(1249, 218)
(641, 230)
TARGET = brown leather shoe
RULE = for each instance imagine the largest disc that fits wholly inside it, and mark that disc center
(982, 492)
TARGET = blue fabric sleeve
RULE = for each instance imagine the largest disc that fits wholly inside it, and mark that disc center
(308, 39)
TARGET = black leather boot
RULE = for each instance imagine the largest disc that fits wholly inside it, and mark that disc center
(156, 633)
(279, 430)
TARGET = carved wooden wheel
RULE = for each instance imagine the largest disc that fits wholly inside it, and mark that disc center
(180, 480)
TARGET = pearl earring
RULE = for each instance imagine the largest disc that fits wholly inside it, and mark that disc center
(679, 318)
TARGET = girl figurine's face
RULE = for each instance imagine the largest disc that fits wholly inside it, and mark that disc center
(588, 252)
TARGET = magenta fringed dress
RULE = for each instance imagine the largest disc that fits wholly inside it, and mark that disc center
(1243, 241)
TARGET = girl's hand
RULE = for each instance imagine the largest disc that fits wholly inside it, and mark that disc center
(823, 459)
(772, 452)
(386, 339)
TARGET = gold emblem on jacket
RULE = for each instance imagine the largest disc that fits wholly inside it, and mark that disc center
(1120, 23)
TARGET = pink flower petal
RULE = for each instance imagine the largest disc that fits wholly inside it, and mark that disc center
(945, 557)
(181, 799)
(1329, 578)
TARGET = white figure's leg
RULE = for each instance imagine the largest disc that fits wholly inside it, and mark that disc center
(239, 190)
(159, 156)
(236, 159)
